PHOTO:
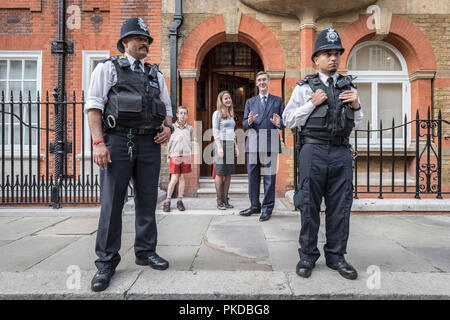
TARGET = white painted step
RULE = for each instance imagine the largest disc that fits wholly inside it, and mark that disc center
(239, 185)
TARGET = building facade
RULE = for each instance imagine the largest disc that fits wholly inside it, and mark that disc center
(400, 52)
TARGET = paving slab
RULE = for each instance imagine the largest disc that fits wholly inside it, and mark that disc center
(364, 251)
(182, 230)
(50, 285)
(5, 220)
(73, 225)
(439, 258)
(391, 205)
(203, 249)
(391, 285)
(3, 242)
(24, 253)
(45, 211)
(283, 255)
(433, 221)
(20, 228)
(236, 220)
(80, 253)
(214, 259)
(418, 235)
(210, 285)
(282, 228)
(245, 241)
(371, 225)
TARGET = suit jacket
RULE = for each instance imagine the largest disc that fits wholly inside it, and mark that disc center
(265, 136)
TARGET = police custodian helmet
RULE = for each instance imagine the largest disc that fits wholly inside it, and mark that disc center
(133, 26)
(328, 39)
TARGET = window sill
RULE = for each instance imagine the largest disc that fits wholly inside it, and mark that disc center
(387, 151)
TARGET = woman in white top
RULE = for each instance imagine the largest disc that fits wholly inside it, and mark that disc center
(225, 147)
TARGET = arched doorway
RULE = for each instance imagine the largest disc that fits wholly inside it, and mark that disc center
(228, 66)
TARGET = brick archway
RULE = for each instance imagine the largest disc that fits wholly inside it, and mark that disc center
(211, 32)
(412, 44)
(203, 38)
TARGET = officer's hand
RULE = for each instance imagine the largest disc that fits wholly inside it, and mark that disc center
(275, 119)
(252, 117)
(318, 97)
(236, 150)
(350, 96)
(101, 155)
(164, 136)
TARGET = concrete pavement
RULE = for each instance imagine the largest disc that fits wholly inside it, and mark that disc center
(49, 254)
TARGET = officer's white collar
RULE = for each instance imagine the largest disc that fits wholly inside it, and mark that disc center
(132, 59)
(324, 78)
(264, 95)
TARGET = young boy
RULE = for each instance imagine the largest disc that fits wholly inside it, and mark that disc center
(179, 152)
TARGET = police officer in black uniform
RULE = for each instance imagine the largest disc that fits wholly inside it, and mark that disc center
(326, 107)
(129, 114)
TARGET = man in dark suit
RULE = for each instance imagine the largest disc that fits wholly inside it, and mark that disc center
(262, 116)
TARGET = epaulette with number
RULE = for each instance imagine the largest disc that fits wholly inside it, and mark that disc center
(122, 60)
(307, 78)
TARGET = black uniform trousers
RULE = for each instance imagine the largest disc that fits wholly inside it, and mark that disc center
(262, 164)
(144, 169)
(325, 171)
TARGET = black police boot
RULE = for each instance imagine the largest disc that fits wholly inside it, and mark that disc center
(101, 280)
(304, 268)
(154, 261)
(344, 268)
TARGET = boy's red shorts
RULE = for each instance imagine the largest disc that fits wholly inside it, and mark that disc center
(180, 165)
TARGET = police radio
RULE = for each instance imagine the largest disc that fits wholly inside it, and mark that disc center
(345, 81)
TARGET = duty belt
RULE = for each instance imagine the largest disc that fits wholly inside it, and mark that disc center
(337, 141)
(137, 131)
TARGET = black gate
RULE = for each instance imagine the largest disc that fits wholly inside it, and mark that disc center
(27, 130)
(411, 165)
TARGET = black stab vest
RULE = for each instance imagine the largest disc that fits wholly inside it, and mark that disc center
(134, 100)
(332, 118)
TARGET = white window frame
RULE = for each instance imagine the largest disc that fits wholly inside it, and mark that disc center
(88, 56)
(377, 77)
(21, 55)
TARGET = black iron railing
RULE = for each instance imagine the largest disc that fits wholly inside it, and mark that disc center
(409, 164)
(385, 164)
(29, 150)
(27, 167)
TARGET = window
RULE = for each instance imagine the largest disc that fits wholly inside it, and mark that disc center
(383, 88)
(20, 73)
(233, 54)
(90, 61)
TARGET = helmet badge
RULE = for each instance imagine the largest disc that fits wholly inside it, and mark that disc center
(142, 24)
(332, 35)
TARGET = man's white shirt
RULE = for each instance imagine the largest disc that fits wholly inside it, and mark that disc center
(104, 77)
(300, 105)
